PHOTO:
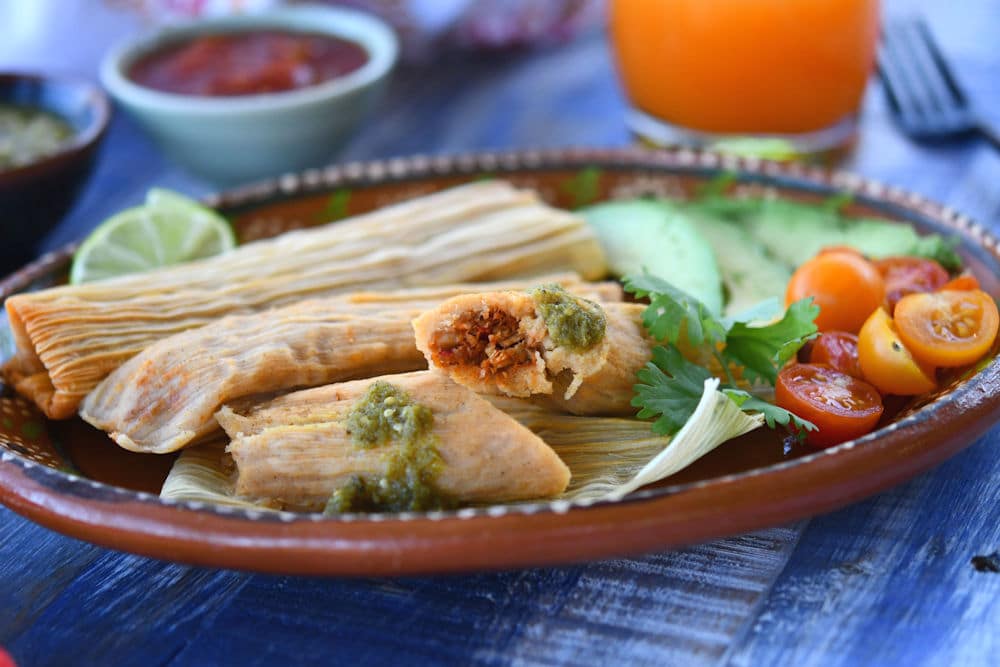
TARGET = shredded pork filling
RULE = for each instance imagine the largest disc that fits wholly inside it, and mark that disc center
(490, 339)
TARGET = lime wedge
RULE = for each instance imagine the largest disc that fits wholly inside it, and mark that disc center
(769, 148)
(168, 229)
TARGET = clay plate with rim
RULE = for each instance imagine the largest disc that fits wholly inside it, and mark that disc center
(71, 478)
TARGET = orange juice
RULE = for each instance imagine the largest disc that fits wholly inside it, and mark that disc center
(745, 66)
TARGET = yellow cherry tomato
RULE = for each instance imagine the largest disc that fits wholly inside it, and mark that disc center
(948, 328)
(887, 363)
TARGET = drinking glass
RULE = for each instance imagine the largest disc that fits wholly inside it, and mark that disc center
(789, 74)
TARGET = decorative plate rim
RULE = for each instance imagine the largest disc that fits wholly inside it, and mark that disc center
(783, 175)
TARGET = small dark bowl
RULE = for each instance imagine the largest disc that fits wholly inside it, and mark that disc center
(35, 196)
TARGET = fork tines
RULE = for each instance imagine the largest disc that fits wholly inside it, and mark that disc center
(922, 90)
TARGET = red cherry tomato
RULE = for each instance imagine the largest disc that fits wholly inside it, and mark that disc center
(6, 660)
(838, 349)
(842, 407)
(909, 275)
(845, 286)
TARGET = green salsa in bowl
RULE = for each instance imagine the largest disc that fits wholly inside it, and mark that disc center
(29, 134)
(50, 128)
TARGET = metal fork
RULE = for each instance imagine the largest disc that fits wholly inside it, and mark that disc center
(923, 93)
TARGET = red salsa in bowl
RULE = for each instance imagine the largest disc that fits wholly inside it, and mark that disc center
(247, 63)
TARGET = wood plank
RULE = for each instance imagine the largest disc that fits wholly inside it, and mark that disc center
(36, 566)
(121, 610)
(890, 580)
(681, 607)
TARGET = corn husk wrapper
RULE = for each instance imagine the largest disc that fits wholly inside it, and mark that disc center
(607, 457)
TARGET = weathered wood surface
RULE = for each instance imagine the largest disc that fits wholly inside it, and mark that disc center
(886, 581)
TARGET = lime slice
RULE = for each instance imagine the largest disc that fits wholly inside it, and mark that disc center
(769, 148)
(168, 229)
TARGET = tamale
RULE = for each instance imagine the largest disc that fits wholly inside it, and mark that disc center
(302, 449)
(608, 457)
(69, 338)
(164, 398)
(504, 342)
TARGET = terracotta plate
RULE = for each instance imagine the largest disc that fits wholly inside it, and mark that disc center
(71, 478)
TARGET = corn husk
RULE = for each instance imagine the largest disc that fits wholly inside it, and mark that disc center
(608, 458)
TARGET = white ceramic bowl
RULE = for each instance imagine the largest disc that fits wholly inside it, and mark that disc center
(240, 138)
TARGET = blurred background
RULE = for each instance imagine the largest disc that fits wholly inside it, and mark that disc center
(465, 69)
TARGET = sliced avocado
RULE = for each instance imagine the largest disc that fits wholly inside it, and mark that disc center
(657, 237)
(793, 232)
(749, 274)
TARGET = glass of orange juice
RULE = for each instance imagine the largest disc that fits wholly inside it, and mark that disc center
(714, 72)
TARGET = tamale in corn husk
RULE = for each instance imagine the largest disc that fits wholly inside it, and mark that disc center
(165, 397)
(607, 457)
(302, 448)
(69, 338)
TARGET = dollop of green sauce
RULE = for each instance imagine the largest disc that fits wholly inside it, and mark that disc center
(387, 416)
(572, 322)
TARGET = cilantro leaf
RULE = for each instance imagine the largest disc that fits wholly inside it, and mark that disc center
(763, 350)
(671, 308)
(717, 185)
(669, 388)
(336, 205)
(773, 415)
(584, 187)
(835, 203)
(939, 248)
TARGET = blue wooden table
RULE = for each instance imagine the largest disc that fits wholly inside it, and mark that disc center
(902, 578)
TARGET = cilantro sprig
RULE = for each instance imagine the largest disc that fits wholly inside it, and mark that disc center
(670, 309)
(773, 415)
(762, 351)
(670, 385)
(669, 388)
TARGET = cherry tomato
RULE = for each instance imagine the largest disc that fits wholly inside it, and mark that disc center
(887, 363)
(6, 660)
(838, 349)
(840, 248)
(948, 328)
(966, 281)
(842, 407)
(845, 286)
(909, 275)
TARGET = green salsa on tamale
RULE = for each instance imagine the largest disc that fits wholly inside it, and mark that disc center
(572, 321)
(387, 416)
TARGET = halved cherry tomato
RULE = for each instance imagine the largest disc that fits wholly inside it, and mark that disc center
(845, 286)
(841, 406)
(948, 328)
(838, 349)
(887, 363)
(909, 275)
(966, 281)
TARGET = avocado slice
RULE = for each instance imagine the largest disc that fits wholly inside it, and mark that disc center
(793, 232)
(657, 237)
(749, 273)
